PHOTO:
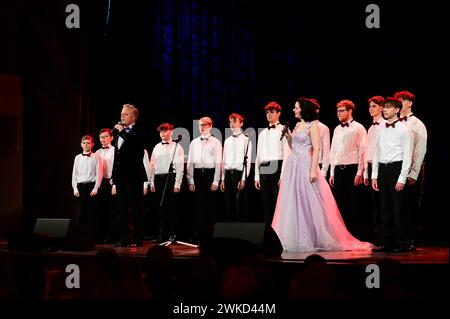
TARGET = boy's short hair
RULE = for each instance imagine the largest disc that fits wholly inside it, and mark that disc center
(133, 109)
(87, 137)
(377, 99)
(347, 104)
(207, 120)
(105, 130)
(236, 116)
(165, 127)
(395, 102)
(405, 95)
(273, 106)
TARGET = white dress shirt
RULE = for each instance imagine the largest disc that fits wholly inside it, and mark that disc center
(234, 150)
(160, 160)
(270, 148)
(348, 146)
(394, 144)
(419, 132)
(107, 157)
(204, 152)
(87, 169)
(324, 154)
(146, 162)
(371, 142)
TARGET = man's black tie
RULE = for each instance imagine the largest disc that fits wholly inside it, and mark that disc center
(164, 143)
(375, 123)
(271, 126)
(344, 124)
(204, 138)
(88, 154)
(105, 147)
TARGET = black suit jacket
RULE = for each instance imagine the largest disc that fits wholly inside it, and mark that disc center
(128, 160)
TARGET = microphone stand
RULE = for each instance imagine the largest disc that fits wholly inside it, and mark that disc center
(171, 170)
(244, 168)
(172, 239)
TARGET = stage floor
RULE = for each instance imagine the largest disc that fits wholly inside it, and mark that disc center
(423, 255)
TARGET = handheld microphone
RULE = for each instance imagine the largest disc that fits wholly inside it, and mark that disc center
(114, 130)
(285, 129)
(179, 138)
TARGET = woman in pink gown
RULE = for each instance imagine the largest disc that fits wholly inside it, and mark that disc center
(306, 215)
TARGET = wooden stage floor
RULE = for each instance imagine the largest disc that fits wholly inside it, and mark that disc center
(423, 255)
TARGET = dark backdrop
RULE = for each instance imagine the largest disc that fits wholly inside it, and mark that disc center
(180, 60)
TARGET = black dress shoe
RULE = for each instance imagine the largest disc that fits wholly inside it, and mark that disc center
(192, 241)
(125, 243)
(160, 240)
(398, 249)
(139, 243)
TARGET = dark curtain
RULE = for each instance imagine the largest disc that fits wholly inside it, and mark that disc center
(180, 60)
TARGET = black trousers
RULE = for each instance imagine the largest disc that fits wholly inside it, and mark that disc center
(168, 210)
(106, 217)
(269, 176)
(131, 202)
(411, 214)
(347, 197)
(375, 205)
(205, 201)
(86, 207)
(236, 208)
(390, 203)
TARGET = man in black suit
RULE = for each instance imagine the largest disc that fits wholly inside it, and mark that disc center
(129, 174)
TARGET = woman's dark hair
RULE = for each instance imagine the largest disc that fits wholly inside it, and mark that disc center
(308, 109)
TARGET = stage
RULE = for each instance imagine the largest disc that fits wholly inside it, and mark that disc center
(347, 275)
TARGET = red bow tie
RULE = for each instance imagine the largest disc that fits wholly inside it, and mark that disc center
(392, 124)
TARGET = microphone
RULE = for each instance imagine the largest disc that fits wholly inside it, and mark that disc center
(285, 129)
(114, 130)
(179, 138)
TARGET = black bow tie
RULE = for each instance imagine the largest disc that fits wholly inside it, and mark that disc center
(164, 143)
(271, 126)
(345, 124)
(204, 138)
(403, 119)
(88, 154)
(375, 123)
(105, 147)
(237, 135)
(392, 124)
